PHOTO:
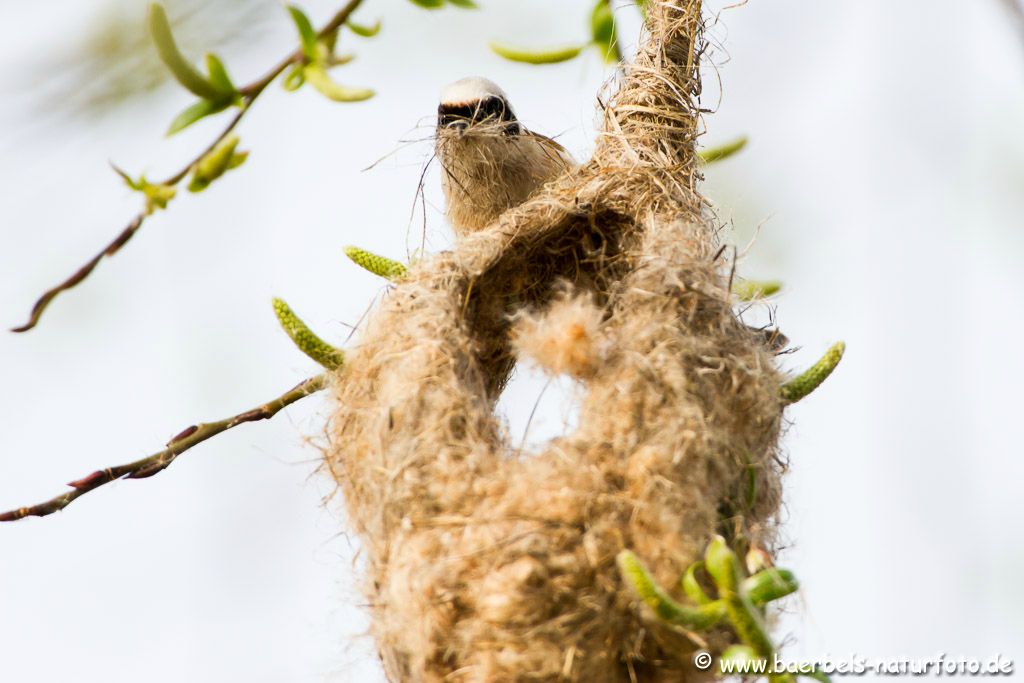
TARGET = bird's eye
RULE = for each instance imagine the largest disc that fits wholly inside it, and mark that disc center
(493, 109)
(454, 114)
(489, 110)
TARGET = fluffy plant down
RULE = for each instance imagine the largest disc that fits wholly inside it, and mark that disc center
(564, 340)
(487, 566)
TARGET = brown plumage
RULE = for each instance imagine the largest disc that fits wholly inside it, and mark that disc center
(490, 163)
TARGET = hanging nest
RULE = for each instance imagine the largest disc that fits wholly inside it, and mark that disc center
(485, 564)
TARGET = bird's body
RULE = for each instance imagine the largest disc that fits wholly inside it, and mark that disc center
(490, 163)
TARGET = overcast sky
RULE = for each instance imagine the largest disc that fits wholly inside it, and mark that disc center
(884, 183)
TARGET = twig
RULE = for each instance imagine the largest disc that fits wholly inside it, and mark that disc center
(147, 467)
(249, 94)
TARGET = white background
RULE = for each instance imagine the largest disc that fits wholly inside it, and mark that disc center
(886, 170)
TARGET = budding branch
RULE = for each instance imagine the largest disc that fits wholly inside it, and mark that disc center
(154, 464)
(249, 94)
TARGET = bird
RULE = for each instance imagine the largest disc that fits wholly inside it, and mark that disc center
(490, 161)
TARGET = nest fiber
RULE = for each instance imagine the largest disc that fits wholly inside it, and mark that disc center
(484, 564)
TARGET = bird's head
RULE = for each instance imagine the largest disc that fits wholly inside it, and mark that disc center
(475, 106)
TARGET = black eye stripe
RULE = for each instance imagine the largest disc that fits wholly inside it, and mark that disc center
(495, 107)
(489, 108)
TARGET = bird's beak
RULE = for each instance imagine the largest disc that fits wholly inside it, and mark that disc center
(458, 125)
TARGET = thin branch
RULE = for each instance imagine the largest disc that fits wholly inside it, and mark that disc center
(249, 94)
(82, 273)
(147, 467)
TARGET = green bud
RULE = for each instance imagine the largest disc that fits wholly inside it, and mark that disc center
(215, 163)
(157, 194)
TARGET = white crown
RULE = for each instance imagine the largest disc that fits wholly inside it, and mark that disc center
(472, 89)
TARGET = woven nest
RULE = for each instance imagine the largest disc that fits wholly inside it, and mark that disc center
(484, 564)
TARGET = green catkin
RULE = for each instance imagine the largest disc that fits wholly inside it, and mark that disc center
(809, 380)
(740, 600)
(713, 154)
(770, 584)
(308, 342)
(378, 265)
(748, 290)
(667, 609)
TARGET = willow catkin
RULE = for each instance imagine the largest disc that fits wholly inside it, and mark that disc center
(484, 564)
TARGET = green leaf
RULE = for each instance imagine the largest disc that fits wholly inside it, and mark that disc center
(642, 6)
(194, 112)
(551, 56)
(428, 4)
(181, 69)
(713, 154)
(319, 79)
(306, 32)
(362, 30)
(464, 4)
(219, 74)
(602, 30)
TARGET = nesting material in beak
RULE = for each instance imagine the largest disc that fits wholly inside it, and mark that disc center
(473, 102)
(491, 162)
